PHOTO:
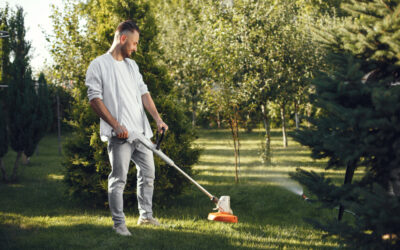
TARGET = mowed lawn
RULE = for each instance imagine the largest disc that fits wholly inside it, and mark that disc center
(35, 213)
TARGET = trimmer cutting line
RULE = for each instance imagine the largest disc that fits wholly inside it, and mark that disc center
(305, 198)
(224, 213)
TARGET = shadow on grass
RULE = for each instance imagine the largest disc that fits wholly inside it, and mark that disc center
(102, 237)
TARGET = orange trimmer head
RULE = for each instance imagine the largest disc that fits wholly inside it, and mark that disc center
(224, 213)
(223, 216)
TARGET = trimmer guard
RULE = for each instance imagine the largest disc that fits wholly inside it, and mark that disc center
(224, 205)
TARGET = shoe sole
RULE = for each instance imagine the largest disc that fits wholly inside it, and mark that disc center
(130, 234)
(148, 224)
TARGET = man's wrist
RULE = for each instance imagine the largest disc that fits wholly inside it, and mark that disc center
(115, 125)
(158, 121)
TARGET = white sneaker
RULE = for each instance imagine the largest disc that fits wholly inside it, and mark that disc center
(122, 230)
(150, 221)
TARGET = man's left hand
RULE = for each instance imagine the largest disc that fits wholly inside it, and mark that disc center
(160, 125)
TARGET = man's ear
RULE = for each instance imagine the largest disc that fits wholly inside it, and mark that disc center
(123, 38)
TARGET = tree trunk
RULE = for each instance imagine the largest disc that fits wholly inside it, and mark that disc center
(283, 114)
(59, 125)
(194, 108)
(347, 180)
(233, 125)
(296, 114)
(218, 120)
(267, 127)
(309, 111)
(16, 164)
(25, 159)
(238, 140)
(394, 183)
(3, 170)
(248, 123)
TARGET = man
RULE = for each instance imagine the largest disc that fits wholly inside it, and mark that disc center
(117, 94)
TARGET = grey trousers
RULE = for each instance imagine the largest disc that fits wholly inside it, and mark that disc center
(120, 153)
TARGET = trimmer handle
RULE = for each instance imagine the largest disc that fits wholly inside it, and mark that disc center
(158, 140)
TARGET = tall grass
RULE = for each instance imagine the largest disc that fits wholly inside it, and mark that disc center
(35, 213)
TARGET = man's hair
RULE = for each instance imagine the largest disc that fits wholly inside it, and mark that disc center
(127, 26)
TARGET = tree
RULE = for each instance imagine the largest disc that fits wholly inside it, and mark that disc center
(183, 42)
(4, 52)
(43, 116)
(280, 57)
(199, 39)
(21, 98)
(360, 100)
(4, 76)
(86, 160)
(3, 142)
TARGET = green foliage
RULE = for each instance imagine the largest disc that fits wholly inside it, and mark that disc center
(373, 212)
(184, 41)
(42, 115)
(344, 99)
(4, 52)
(21, 98)
(358, 128)
(86, 160)
(44, 107)
(27, 112)
(359, 99)
(228, 60)
(66, 100)
(3, 133)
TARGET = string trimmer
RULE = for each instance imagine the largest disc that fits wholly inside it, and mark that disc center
(224, 213)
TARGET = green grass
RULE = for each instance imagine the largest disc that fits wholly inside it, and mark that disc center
(36, 214)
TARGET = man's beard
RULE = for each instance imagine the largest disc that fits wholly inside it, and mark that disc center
(124, 51)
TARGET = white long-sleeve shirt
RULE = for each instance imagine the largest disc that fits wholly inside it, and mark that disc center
(120, 85)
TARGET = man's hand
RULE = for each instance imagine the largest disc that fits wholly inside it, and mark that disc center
(160, 125)
(121, 131)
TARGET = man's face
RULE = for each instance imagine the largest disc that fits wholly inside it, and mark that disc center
(129, 43)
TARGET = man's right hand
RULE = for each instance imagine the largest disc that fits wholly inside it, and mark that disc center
(101, 110)
(121, 131)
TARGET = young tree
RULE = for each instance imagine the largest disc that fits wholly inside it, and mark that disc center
(3, 142)
(201, 47)
(4, 76)
(4, 52)
(359, 127)
(183, 42)
(21, 98)
(43, 116)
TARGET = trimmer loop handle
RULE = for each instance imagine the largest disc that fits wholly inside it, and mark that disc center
(158, 140)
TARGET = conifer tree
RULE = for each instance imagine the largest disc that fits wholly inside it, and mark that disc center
(360, 99)
(4, 76)
(21, 98)
(3, 142)
(42, 117)
(4, 52)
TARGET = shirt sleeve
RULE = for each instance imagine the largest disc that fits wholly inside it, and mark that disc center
(93, 81)
(142, 86)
